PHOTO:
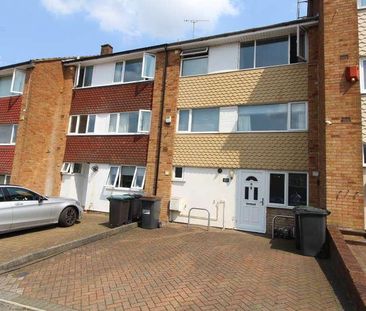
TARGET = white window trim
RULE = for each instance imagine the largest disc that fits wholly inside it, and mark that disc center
(144, 64)
(78, 123)
(13, 82)
(69, 169)
(11, 143)
(360, 6)
(190, 122)
(286, 173)
(288, 119)
(6, 176)
(363, 155)
(174, 178)
(362, 75)
(141, 111)
(118, 176)
(189, 58)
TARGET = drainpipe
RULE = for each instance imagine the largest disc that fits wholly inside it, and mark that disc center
(162, 102)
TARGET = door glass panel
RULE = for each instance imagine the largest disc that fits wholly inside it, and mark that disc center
(255, 194)
(251, 178)
(277, 189)
(246, 196)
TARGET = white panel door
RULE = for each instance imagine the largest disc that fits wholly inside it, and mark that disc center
(251, 210)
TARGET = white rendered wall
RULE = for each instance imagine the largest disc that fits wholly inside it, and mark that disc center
(228, 119)
(223, 58)
(103, 74)
(204, 188)
(74, 185)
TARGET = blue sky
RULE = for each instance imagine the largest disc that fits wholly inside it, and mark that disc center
(51, 28)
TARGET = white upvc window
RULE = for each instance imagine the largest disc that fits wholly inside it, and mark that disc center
(126, 177)
(273, 117)
(148, 66)
(8, 134)
(361, 4)
(288, 189)
(82, 124)
(363, 75)
(364, 155)
(178, 173)
(130, 122)
(194, 62)
(71, 168)
(12, 84)
(4, 179)
(200, 120)
(84, 76)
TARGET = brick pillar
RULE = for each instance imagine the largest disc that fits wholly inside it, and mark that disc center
(42, 129)
(341, 144)
(167, 130)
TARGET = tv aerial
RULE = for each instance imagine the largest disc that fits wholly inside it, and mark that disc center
(194, 22)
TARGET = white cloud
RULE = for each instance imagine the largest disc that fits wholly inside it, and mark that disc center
(156, 18)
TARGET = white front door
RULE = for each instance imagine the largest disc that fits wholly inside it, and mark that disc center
(251, 209)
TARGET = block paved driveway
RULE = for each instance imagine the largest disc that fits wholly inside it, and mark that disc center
(178, 269)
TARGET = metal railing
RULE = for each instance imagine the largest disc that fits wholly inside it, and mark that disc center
(274, 222)
(199, 209)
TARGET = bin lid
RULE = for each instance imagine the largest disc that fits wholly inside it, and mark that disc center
(121, 197)
(310, 210)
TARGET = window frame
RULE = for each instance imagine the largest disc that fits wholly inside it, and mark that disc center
(67, 168)
(288, 51)
(288, 123)
(190, 58)
(118, 177)
(174, 178)
(6, 179)
(12, 140)
(363, 154)
(286, 173)
(139, 121)
(190, 120)
(13, 81)
(359, 5)
(144, 60)
(362, 75)
(76, 133)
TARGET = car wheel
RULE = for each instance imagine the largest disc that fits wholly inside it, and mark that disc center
(68, 217)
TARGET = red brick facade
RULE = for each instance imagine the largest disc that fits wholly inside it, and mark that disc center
(10, 109)
(6, 159)
(126, 149)
(114, 98)
(9, 114)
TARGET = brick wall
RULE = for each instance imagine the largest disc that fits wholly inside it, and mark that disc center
(129, 149)
(114, 98)
(313, 117)
(6, 159)
(43, 122)
(168, 130)
(340, 143)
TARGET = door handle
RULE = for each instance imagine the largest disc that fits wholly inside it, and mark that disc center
(18, 204)
(262, 201)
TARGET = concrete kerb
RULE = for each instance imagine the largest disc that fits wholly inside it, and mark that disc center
(58, 249)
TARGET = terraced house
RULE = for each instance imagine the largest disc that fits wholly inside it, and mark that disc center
(238, 127)
(109, 124)
(35, 100)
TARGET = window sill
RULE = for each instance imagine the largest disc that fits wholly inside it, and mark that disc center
(181, 181)
(243, 132)
(12, 95)
(12, 144)
(111, 84)
(123, 189)
(109, 134)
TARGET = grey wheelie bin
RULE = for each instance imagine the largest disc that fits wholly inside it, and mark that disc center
(119, 208)
(310, 226)
(135, 209)
(150, 212)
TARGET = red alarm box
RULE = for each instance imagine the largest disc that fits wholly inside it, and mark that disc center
(352, 74)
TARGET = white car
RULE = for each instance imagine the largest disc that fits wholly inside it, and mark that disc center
(21, 208)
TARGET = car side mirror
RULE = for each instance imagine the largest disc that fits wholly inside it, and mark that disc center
(40, 199)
